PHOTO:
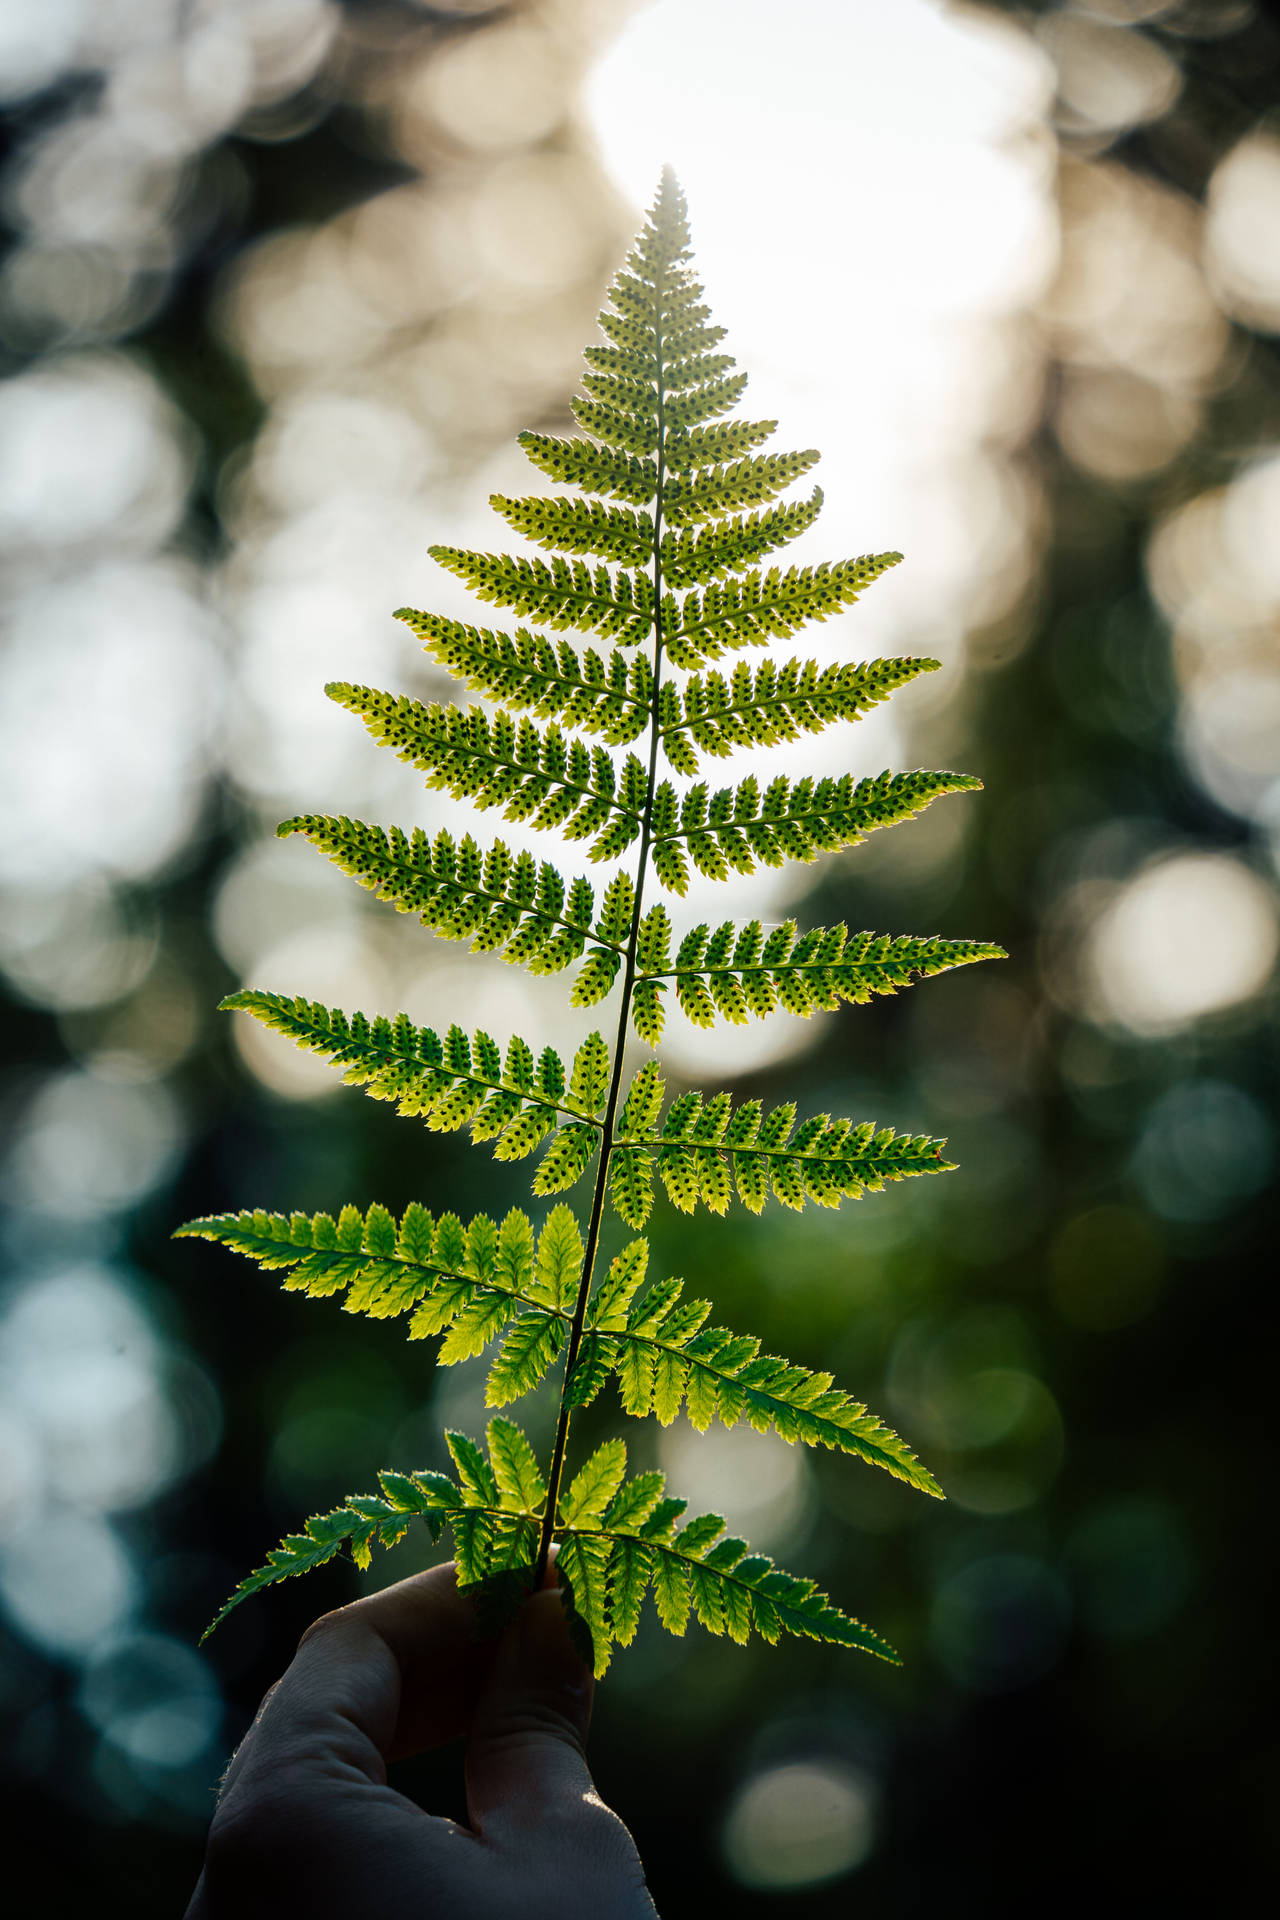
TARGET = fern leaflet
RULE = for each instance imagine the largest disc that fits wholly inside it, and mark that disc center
(773, 704)
(738, 972)
(526, 671)
(547, 779)
(735, 829)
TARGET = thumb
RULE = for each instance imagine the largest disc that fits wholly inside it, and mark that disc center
(529, 1790)
(526, 1751)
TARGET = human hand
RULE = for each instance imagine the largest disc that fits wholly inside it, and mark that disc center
(306, 1822)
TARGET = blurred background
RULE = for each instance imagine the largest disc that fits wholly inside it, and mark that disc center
(283, 279)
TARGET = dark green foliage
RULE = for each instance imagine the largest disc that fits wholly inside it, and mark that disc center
(617, 1537)
(734, 829)
(677, 512)
(543, 777)
(499, 901)
(526, 671)
(772, 704)
(705, 1149)
(738, 972)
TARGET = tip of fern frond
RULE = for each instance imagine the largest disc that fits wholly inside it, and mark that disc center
(288, 827)
(235, 1002)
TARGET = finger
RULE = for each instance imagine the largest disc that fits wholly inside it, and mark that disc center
(529, 1790)
(388, 1676)
(305, 1806)
(529, 1729)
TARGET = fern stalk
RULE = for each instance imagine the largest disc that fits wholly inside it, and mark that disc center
(628, 985)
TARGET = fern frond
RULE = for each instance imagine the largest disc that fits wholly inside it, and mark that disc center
(523, 670)
(690, 559)
(750, 482)
(624, 430)
(711, 446)
(763, 606)
(365, 1522)
(565, 594)
(498, 901)
(704, 1149)
(579, 526)
(624, 388)
(736, 828)
(738, 972)
(661, 542)
(594, 469)
(470, 1283)
(773, 703)
(702, 401)
(492, 1510)
(543, 777)
(665, 1357)
(612, 371)
(451, 1083)
(606, 1565)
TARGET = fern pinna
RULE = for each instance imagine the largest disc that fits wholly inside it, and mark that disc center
(674, 520)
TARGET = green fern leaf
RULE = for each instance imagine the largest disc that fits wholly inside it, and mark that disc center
(521, 1487)
(628, 390)
(467, 1283)
(579, 526)
(451, 1083)
(593, 469)
(717, 490)
(571, 1152)
(363, 1523)
(662, 543)
(723, 440)
(476, 1477)
(631, 1184)
(643, 1103)
(523, 670)
(736, 973)
(690, 559)
(558, 1273)
(527, 1354)
(496, 900)
(545, 778)
(595, 1484)
(564, 594)
(774, 703)
(735, 829)
(606, 1567)
(665, 1355)
(612, 1298)
(763, 606)
(623, 429)
(705, 1149)
(583, 1573)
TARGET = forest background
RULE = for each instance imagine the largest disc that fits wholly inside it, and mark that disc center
(283, 279)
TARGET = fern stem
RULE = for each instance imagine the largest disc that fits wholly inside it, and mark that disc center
(556, 1470)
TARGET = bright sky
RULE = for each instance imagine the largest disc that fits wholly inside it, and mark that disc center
(862, 188)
